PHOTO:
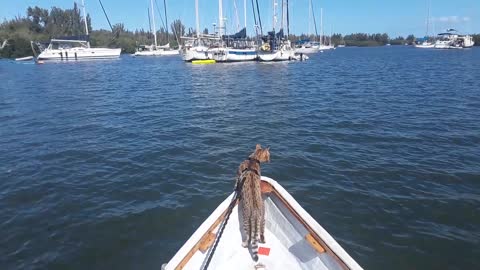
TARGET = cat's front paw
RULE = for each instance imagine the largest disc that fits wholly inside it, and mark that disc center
(244, 244)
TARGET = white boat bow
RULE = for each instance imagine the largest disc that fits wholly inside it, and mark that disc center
(294, 240)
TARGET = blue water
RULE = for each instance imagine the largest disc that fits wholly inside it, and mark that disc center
(114, 164)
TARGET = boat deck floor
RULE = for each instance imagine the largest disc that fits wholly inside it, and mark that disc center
(285, 247)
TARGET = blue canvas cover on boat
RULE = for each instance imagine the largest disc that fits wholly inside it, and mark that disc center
(242, 34)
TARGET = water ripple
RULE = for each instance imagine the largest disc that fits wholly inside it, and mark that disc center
(113, 164)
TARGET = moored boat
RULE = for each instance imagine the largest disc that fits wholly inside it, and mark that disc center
(451, 39)
(26, 58)
(424, 45)
(154, 49)
(74, 48)
(294, 240)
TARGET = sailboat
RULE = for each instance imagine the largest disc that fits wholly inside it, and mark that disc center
(233, 48)
(154, 49)
(275, 46)
(425, 43)
(323, 46)
(196, 48)
(74, 48)
(306, 46)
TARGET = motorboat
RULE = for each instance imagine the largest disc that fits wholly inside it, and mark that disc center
(294, 239)
(451, 39)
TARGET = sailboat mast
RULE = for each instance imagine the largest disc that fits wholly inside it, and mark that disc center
(220, 18)
(314, 21)
(197, 19)
(245, 13)
(166, 19)
(321, 26)
(85, 17)
(153, 23)
(428, 17)
(288, 21)
(274, 15)
(309, 17)
(282, 21)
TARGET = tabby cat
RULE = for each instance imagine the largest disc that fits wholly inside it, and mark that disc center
(253, 209)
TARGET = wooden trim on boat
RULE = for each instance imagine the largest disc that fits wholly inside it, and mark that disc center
(205, 242)
(312, 233)
(266, 187)
(313, 242)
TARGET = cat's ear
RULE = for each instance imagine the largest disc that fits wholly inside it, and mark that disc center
(258, 147)
(268, 148)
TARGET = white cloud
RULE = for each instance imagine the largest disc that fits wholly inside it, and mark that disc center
(451, 19)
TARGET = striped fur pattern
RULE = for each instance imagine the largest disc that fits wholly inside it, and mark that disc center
(251, 202)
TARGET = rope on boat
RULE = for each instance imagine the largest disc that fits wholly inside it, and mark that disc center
(236, 196)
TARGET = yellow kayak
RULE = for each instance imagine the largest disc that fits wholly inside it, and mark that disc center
(203, 62)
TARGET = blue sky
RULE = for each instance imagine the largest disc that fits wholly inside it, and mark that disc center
(400, 17)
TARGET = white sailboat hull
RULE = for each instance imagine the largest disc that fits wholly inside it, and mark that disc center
(239, 55)
(79, 54)
(307, 50)
(294, 240)
(281, 55)
(196, 53)
(233, 55)
(326, 47)
(26, 58)
(425, 46)
(157, 53)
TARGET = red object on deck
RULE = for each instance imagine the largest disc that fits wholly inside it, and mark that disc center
(263, 251)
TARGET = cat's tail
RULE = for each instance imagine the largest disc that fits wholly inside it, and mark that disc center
(255, 250)
(254, 240)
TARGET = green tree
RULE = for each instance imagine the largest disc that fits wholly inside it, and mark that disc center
(410, 39)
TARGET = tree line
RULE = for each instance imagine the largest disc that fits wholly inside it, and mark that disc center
(42, 24)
